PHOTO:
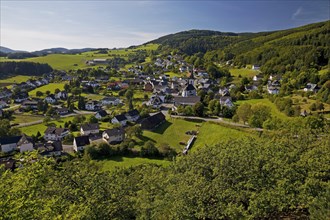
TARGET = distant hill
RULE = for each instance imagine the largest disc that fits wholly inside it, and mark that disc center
(61, 50)
(8, 50)
(277, 51)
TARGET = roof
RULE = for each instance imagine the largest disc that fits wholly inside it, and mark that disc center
(133, 113)
(109, 99)
(114, 132)
(25, 140)
(82, 141)
(190, 87)
(190, 100)
(121, 117)
(153, 121)
(225, 98)
(10, 140)
(54, 130)
(102, 113)
(89, 127)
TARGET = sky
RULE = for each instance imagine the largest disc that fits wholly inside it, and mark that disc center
(35, 25)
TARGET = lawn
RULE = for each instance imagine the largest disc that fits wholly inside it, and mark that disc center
(78, 61)
(16, 79)
(23, 118)
(243, 72)
(172, 132)
(50, 87)
(211, 134)
(125, 162)
(274, 110)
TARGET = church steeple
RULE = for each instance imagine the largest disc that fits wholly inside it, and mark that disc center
(191, 77)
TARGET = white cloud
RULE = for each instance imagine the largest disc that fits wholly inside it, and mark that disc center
(297, 13)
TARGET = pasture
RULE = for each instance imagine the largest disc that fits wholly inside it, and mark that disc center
(264, 101)
(126, 162)
(50, 87)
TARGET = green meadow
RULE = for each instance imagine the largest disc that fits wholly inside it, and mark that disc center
(78, 61)
(50, 87)
(125, 162)
(16, 79)
(264, 101)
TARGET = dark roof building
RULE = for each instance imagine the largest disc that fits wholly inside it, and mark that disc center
(153, 121)
(90, 127)
(82, 141)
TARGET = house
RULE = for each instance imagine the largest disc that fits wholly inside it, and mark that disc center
(250, 88)
(61, 95)
(101, 114)
(223, 91)
(148, 86)
(153, 121)
(3, 104)
(257, 78)
(93, 84)
(51, 148)
(19, 98)
(119, 119)
(132, 115)
(92, 106)
(110, 101)
(79, 143)
(55, 134)
(273, 90)
(189, 90)
(114, 136)
(311, 87)
(26, 143)
(155, 101)
(62, 111)
(29, 105)
(90, 128)
(226, 101)
(185, 101)
(50, 99)
(9, 144)
(255, 67)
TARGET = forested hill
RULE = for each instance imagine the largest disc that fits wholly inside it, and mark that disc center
(277, 51)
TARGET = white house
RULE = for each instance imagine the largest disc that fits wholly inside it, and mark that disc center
(3, 104)
(226, 101)
(110, 101)
(91, 128)
(61, 95)
(79, 143)
(255, 67)
(50, 99)
(132, 115)
(115, 135)
(25, 144)
(119, 119)
(92, 106)
(273, 90)
(9, 144)
(100, 114)
(55, 134)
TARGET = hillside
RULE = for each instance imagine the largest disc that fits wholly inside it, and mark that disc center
(277, 51)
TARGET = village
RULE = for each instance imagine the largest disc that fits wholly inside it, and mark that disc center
(161, 96)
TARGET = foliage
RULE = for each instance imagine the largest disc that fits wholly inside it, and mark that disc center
(24, 68)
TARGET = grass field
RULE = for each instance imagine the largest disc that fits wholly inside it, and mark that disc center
(78, 61)
(172, 132)
(16, 79)
(274, 110)
(50, 87)
(243, 72)
(211, 134)
(125, 162)
(26, 118)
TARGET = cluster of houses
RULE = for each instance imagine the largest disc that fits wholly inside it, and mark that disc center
(89, 133)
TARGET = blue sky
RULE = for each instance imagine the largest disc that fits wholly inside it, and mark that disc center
(35, 25)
